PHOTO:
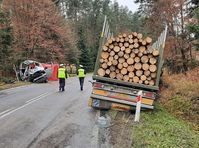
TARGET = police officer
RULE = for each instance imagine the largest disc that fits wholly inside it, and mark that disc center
(62, 75)
(81, 74)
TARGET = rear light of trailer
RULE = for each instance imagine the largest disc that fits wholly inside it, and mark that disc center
(98, 85)
(149, 94)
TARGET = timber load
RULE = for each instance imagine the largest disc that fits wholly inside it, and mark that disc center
(130, 58)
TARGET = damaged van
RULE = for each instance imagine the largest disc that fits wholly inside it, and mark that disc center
(32, 71)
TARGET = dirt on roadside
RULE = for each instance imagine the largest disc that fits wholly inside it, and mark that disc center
(121, 130)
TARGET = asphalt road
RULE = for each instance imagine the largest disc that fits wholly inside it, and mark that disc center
(39, 116)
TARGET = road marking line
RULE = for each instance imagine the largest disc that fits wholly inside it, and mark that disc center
(37, 97)
(5, 112)
(23, 106)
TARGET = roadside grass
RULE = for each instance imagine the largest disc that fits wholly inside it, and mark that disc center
(4, 86)
(180, 96)
(161, 129)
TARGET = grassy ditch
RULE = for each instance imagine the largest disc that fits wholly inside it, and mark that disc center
(15, 84)
(161, 129)
(175, 121)
(180, 96)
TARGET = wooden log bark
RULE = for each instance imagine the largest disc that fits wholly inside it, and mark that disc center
(138, 66)
(112, 68)
(132, 55)
(122, 40)
(152, 68)
(131, 74)
(109, 63)
(153, 75)
(112, 75)
(116, 48)
(108, 71)
(139, 36)
(110, 58)
(104, 65)
(143, 78)
(111, 46)
(124, 71)
(139, 73)
(126, 44)
(145, 67)
(120, 66)
(126, 56)
(148, 40)
(115, 62)
(126, 78)
(119, 76)
(121, 44)
(120, 54)
(116, 57)
(152, 61)
(101, 60)
(104, 55)
(127, 50)
(155, 53)
(136, 79)
(149, 78)
(146, 82)
(117, 71)
(121, 60)
(130, 61)
(123, 48)
(147, 73)
(104, 48)
(131, 41)
(142, 49)
(126, 39)
(125, 65)
(144, 59)
(152, 82)
(101, 72)
(130, 68)
(131, 46)
(137, 59)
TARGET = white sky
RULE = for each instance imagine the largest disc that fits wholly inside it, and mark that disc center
(129, 3)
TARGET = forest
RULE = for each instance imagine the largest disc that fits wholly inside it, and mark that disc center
(68, 31)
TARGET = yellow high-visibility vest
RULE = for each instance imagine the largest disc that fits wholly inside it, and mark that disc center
(61, 73)
(81, 73)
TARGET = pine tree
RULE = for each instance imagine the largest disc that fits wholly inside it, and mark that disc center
(85, 58)
(5, 42)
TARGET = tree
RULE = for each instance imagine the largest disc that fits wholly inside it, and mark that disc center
(194, 27)
(6, 37)
(40, 32)
(85, 57)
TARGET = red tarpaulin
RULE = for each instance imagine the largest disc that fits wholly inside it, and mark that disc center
(53, 68)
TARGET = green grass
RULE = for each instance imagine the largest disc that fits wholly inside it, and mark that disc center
(159, 129)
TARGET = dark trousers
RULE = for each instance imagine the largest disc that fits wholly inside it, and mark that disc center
(81, 82)
(61, 84)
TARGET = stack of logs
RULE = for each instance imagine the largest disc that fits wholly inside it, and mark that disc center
(129, 57)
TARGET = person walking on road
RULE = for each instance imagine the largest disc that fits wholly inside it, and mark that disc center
(62, 75)
(81, 74)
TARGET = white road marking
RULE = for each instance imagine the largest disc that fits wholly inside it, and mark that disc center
(5, 112)
(37, 97)
(23, 106)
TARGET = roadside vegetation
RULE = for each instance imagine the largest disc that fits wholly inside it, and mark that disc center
(175, 121)
(4, 85)
(161, 129)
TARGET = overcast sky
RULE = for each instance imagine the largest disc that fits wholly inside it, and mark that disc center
(129, 3)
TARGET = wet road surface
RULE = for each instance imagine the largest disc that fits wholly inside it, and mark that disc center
(38, 116)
